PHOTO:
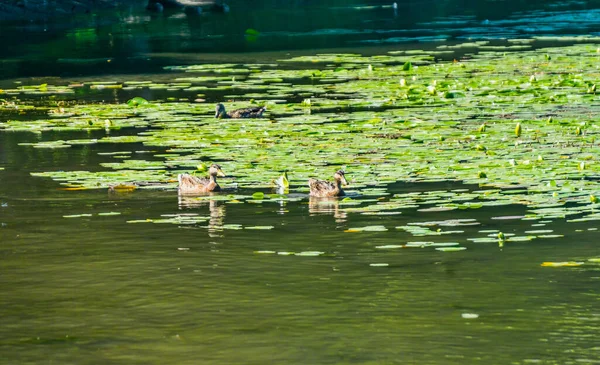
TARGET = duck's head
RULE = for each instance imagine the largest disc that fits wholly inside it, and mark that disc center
(340, 175)
(219, 110)
(215, 170)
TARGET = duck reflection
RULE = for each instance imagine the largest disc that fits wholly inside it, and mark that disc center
(317, 205)
(216, 208)
(280, 190)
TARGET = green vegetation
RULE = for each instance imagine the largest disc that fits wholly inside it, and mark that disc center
(519, 125)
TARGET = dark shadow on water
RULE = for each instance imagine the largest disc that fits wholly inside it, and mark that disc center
(129, 39)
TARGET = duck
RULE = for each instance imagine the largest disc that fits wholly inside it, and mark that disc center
(191, 185)
(322, 188)
(253, 112)
(190, 8)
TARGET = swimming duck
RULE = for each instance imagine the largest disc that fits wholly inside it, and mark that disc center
(190, 185)
(255, 112)
(190, 8)
(321, 188)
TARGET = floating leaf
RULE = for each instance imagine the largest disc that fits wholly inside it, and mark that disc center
(310, 253)
(260, 227)
(137, 101)
(77, 215)
(562, 264)
(285, 253)
(122, 187)
(389, 246)
(367, 229)
(450, 249)
(251, 35)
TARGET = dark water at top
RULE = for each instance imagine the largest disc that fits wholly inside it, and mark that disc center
(99, 290)
(137, 41)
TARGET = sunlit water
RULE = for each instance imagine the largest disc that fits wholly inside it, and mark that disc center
(96, 289)
(99, 290)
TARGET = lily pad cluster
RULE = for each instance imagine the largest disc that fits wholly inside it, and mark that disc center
(522, 126)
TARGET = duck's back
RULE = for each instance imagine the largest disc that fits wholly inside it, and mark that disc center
(189, 184)
(323, 188)
(254, 112)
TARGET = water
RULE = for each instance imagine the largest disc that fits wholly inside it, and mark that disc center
(98, 290)
(136, 41)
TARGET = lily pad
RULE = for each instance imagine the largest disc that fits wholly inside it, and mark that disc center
(259, 227)
(562, 264)
(450, 249)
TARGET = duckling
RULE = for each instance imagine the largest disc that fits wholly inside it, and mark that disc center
(190, 185)
(321, 188)
(254, 112)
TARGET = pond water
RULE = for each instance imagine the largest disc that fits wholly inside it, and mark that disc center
(408, 269)
(136, 41)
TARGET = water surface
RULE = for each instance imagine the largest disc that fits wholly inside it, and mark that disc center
(130, 39)
(98, 289)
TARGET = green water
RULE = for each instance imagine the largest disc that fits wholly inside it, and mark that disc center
(97, 290)
(79, 286)
(137, 41)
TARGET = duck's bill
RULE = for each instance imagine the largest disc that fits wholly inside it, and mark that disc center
(220, 173)
(344, 181)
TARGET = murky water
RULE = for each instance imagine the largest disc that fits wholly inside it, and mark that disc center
(96, 289)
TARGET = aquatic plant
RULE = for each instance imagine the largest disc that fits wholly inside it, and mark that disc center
(405, 118)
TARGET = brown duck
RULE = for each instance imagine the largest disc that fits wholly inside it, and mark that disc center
(254, 112)
(321, 188)
(191, 185)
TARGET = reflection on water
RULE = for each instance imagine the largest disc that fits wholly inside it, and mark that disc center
(97, 288)
(329, 206)
(216, 208)
(283, 191)
(133, 40)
